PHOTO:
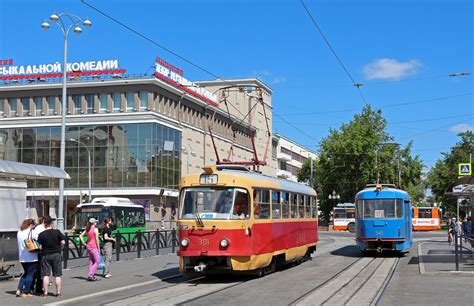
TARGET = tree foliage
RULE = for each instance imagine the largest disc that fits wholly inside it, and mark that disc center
(356, 154)
(445, 171)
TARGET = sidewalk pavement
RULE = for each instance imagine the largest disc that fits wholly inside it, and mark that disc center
(438, 257)
(75, 284)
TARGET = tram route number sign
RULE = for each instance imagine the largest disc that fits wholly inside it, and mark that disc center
(464, 169)
(379, 214)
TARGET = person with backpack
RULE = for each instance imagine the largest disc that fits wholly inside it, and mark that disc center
(108, 245)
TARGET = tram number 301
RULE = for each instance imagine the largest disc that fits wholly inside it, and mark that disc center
(203, 241)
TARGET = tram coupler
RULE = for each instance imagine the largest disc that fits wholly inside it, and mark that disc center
(200, 267)
(379, 249)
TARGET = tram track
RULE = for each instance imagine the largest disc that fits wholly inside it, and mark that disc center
(362, 282)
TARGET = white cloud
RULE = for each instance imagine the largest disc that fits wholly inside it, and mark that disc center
(459, 128)
(390, 69)
(268, 77)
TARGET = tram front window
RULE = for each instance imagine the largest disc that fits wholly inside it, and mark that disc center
(381, 208)
(214, 203)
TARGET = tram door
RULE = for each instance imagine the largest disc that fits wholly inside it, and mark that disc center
(408, 219)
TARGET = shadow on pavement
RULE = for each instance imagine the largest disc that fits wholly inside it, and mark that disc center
(348, 251)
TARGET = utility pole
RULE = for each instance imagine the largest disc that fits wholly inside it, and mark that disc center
(311, 173)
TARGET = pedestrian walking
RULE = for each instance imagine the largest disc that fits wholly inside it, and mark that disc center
(468, 228)
(28, 259)
(92, 245)
(108, 245)
(52, 242)
(37, 280)
(450, 234)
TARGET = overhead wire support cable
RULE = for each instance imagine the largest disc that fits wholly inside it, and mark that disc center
(182, 58)
(150, 40)
(354, 83)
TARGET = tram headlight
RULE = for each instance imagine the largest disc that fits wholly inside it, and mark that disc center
(184, 242)
(224, 243)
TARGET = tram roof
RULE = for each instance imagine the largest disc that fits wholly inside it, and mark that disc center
(283, 184)
(385, 193)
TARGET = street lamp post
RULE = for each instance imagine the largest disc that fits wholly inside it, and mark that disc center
(88, 165)
(66, 22)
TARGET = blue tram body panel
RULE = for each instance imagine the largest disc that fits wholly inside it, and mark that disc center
(383, 220)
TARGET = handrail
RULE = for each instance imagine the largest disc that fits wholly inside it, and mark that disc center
(458, 246)
(133, 242)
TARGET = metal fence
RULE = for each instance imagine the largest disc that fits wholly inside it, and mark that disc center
(459, 246)
(135, 243)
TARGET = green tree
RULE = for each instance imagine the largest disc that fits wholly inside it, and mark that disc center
(445, 171)
(358, 153)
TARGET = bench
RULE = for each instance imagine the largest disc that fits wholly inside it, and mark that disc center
(5, 266)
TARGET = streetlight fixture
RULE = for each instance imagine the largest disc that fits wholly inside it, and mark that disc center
(88, 165)
(334, 196)
(66, 22)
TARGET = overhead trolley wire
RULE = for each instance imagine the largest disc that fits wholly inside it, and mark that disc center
(150, 40)
(354, 83)
(182, 58)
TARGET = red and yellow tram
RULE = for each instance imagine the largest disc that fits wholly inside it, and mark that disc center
(232, 219)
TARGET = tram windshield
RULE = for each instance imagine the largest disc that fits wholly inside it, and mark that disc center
(379, 208)
(214, 203)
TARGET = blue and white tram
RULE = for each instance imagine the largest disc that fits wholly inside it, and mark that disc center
(383, 219)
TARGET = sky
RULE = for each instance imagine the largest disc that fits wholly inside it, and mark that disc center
(401, 51)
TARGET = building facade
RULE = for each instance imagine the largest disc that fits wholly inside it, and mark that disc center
(141, 134)
(290, 156)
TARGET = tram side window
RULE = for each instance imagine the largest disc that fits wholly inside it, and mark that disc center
(276, 205)
(399, 204)
(301, 206)
(307, 206)
(424, 213)
(314, 210)
(262, 204)
(241, 206)
(294, 205)
(285, 204)
(359, 208)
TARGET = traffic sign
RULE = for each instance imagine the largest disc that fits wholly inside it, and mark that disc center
(464, 169)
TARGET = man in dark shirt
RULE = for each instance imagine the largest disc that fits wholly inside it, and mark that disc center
(52, 242)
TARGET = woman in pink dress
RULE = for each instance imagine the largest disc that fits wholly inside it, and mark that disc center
(92, 246)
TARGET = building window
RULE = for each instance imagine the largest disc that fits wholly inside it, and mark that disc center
(13, 106)
(90, 103)
(26, 105)
(51, 105)
(77, 104)
(104, 103)
(143, 100)
(130, 101)
(116, 96)
(38, 106)
(2, 107)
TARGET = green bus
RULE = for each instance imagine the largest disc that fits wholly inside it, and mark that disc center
(126, 216)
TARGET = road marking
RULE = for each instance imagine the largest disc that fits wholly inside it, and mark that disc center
(105, 292)
(421, 265)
